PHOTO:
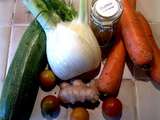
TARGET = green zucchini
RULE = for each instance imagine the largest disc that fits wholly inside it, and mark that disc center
(21, 86)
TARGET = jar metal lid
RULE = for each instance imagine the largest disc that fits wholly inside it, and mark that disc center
(106, 8)
(106, 12)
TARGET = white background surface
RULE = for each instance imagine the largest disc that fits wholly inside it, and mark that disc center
(140, 98)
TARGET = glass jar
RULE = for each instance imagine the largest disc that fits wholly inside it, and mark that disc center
(104, 17)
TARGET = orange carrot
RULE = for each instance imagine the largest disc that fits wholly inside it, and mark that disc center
(134, 38)
(155, 66)
(110, 79)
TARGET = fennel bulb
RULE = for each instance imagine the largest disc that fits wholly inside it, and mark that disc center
(72, 48)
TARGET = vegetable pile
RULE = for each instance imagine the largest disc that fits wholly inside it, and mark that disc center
(72, 50)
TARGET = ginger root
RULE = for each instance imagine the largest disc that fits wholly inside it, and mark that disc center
(78, 92)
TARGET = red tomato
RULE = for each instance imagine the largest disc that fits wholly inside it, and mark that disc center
(50, 105)
(112, 107)
(47, 80)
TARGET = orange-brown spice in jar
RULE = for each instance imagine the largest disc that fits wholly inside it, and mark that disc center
(104, 18)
